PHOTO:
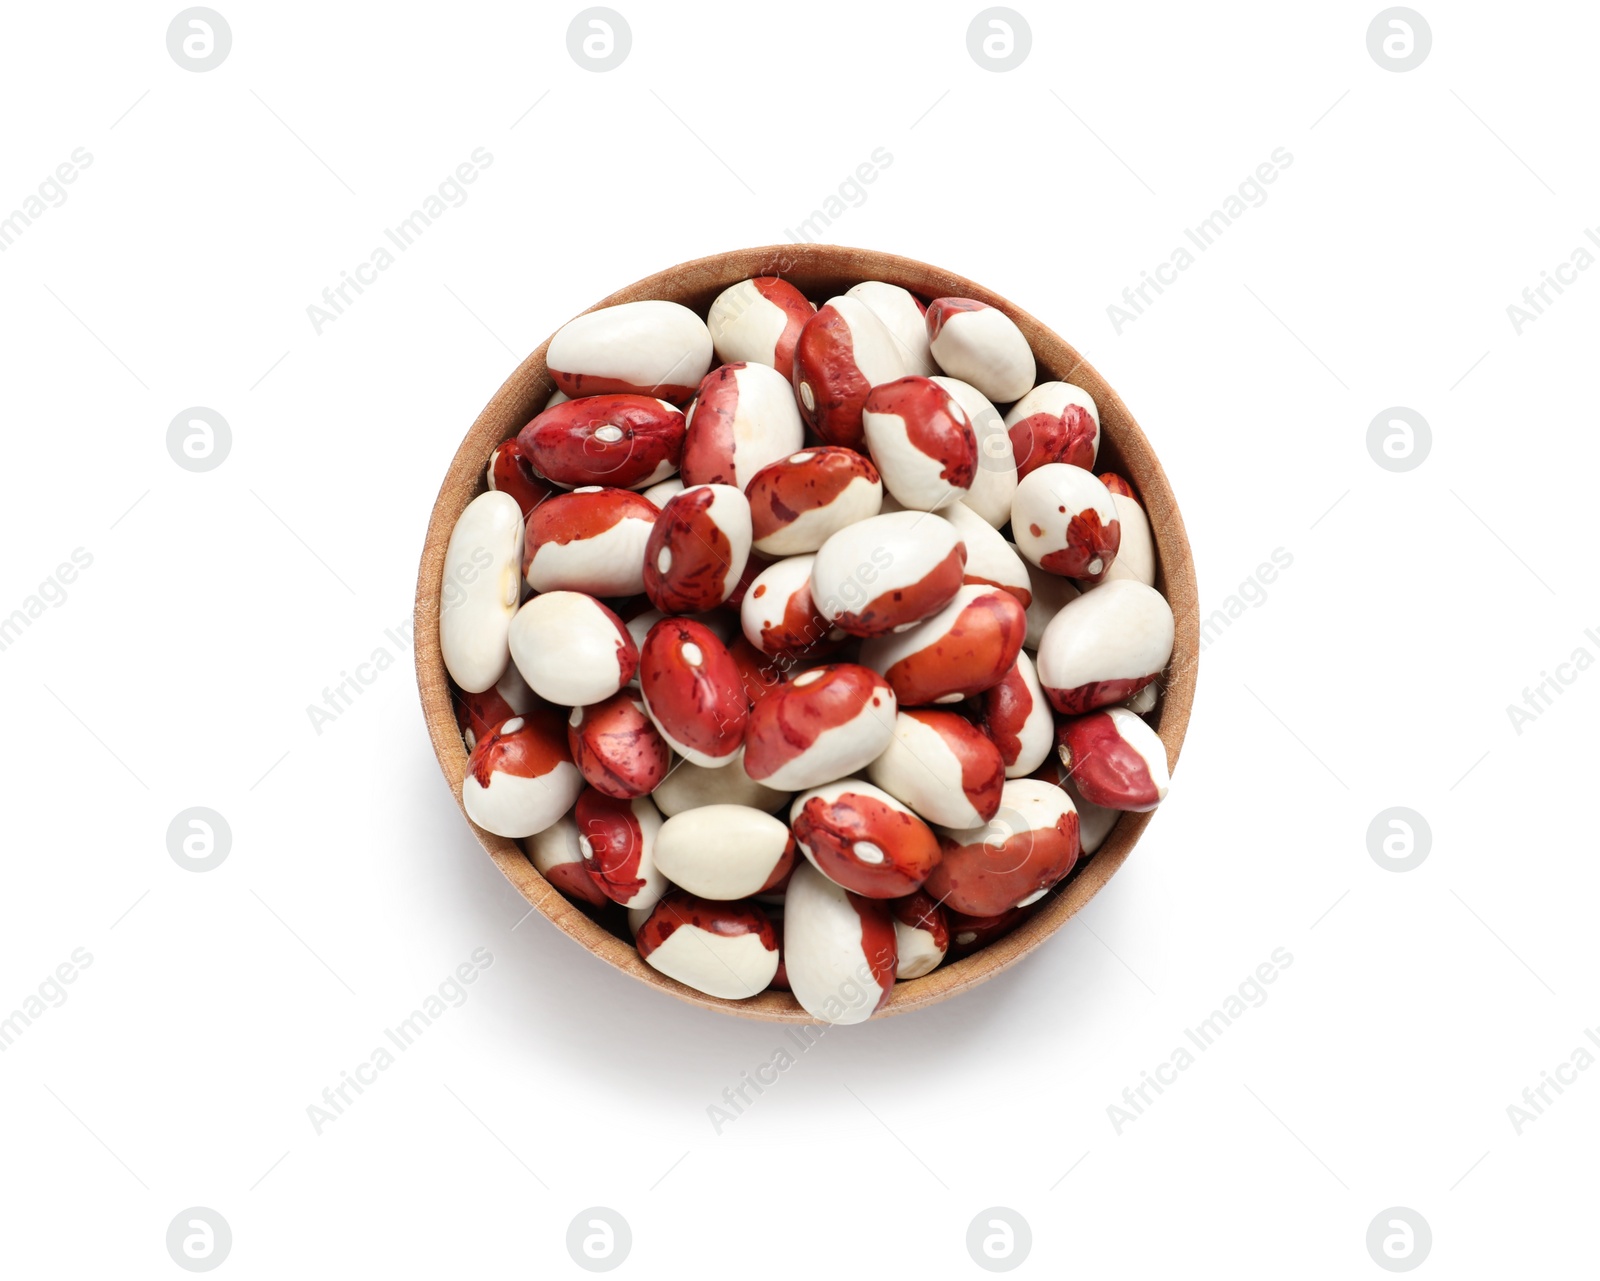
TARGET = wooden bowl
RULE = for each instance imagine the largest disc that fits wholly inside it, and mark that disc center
(819, 271)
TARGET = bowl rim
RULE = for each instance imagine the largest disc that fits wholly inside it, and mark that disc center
(523, 394)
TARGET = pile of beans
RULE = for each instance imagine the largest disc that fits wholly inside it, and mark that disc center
(774, 631)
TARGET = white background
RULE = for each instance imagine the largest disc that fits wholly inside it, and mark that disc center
(177, 672)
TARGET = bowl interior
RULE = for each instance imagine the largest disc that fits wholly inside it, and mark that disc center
(819, 271)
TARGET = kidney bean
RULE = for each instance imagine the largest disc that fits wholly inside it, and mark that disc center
(616, 746)
(480, 591)
(1115, 759)
(649, 348)
(844, 352)
(698, 549)
(743, 419)
(964, 649)
(571, 649)
(941, 766)
(693, 692)
(862, 838)
(922, 442)
(520, 777)
(1054, 423)
(1105, 646)
(1014, 859)
(627, 442)
(798, 502)
(591, 540)
(887, 572)
(839, 949)
(821, 725)
(759, 321)
(980, 345)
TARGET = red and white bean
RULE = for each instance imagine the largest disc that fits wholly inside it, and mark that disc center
(1016, 716)
(864, 839)
(692, 691)
(839, 949)
(964, 649)
(1014, 859)
(743, 418)
(1054, 423)
(1115, 759)
(823, 724)
(725, 851)
(759, 321)
(995, 483)
(921, 934)
(616, 746)
(981, 345)
(591, 540)
(844, 352)
(481, 593)
(943, 767)
(571, 649)
(1065, 522)
(641, 348)
(616, 839)
(520, 777)
(627, 442)
(1105, 646)
(922, 442)
(727, 950)
(798, 502)
(697, 550)
(888, 572)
